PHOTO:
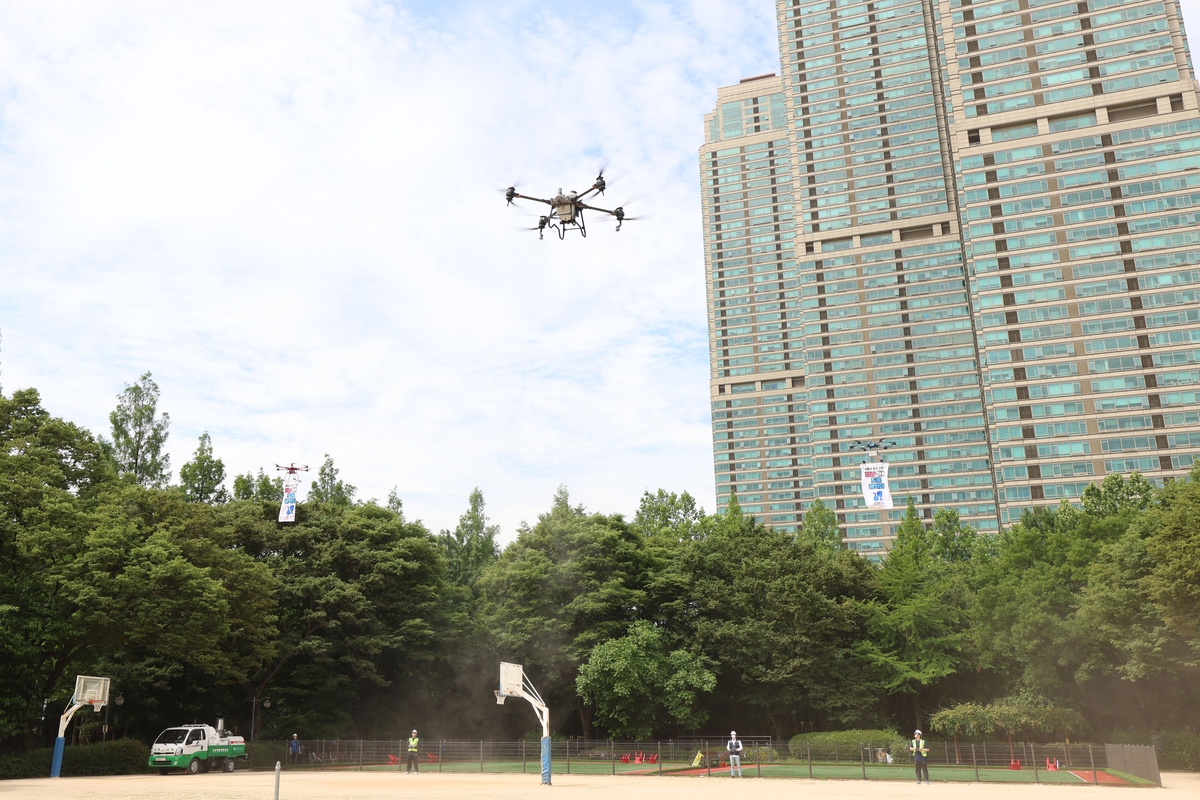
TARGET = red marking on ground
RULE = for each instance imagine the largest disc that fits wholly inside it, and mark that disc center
(1086, 775)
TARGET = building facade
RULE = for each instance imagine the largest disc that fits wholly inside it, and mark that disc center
(965, 228)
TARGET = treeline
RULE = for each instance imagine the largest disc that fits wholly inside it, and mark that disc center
(357, 621)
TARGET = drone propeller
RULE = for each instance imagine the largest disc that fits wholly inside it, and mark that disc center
(619, 213)
(540, 227)
(601, 183)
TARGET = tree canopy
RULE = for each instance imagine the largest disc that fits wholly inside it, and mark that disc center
(356, 620)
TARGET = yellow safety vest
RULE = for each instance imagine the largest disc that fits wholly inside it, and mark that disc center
(919, 746)
(412, 745)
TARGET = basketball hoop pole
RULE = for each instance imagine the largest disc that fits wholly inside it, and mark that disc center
(61, 742)
(89, 691)
(526, 690)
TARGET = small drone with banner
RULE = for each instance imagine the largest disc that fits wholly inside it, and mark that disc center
(566, 210)
(874, 474)
(513, 683)
(287, 509)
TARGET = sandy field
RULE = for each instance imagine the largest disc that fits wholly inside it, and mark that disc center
(431, 786)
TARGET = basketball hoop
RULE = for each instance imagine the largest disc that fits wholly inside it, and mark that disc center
(90, 691)
(513, 683)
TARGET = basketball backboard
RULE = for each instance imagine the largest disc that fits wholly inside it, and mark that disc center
(91, 691)
(512, 680)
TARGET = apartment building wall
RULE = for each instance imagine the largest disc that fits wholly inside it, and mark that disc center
(979, 248)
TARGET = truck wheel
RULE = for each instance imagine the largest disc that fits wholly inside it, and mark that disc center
(195, 766)
(230, 764)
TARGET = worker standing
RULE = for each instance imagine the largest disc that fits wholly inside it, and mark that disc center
(735, 750)
(920, 753)
(414, 745)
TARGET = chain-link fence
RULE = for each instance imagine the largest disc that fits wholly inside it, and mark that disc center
(985, 762)
(590, 756)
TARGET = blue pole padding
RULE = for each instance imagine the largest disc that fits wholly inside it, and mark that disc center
(56, 763)
(546, 760)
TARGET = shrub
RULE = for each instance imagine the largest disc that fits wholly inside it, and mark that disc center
(119, 757)
(847, 744)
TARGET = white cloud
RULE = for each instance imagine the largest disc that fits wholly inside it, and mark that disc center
(285, 212)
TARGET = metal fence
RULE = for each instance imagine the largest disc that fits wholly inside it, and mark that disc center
(591, 756)
(888, 760)
(987, 755)
(1134, 759)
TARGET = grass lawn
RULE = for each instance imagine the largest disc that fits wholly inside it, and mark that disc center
(842, 771)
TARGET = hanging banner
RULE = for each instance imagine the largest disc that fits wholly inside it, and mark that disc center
(287, 509)
(875, 484)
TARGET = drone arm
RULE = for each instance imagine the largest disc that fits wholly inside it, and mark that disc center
(597, 208)
(517, 196)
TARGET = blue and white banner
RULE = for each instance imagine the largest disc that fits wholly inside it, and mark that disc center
(287, 509)
(875, 484)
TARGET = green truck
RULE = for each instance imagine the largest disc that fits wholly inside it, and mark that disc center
(196, 749)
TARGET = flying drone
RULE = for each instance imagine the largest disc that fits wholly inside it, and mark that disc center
(566, 210)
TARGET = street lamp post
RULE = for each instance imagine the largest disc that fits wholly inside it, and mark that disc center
(119, 700)
(266, 703)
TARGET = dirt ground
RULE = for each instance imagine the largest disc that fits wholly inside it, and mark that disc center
(431, 786)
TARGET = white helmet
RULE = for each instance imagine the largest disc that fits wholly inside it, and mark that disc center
(917, 732)
(733, 733)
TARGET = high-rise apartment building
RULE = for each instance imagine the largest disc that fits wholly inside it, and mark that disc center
(968, 228)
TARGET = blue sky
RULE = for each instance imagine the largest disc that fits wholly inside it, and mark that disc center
(287, 213)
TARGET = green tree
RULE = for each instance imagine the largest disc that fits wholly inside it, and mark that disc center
(327, 488)
(670, 515)
(1123, 631)
(262, 487)
(918, 627)
(635, 683)
(1172, 534)
(362, 604)
(50, 473)
(964, 719)
(1030, 714)
(566, 584)
(203, 478)
(139, 436)
(777, 614)
(471, 546)
(1026, 595)
(822, 523)
(953, 541)
(394, 503)
(1116, 494)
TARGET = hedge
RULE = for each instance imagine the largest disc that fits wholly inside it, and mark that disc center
(849, 742)
(118, 757)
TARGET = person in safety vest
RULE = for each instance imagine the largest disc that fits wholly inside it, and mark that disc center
(920, 753)
(414, 744)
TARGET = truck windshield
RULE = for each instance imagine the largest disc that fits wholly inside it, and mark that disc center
(172, 736)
